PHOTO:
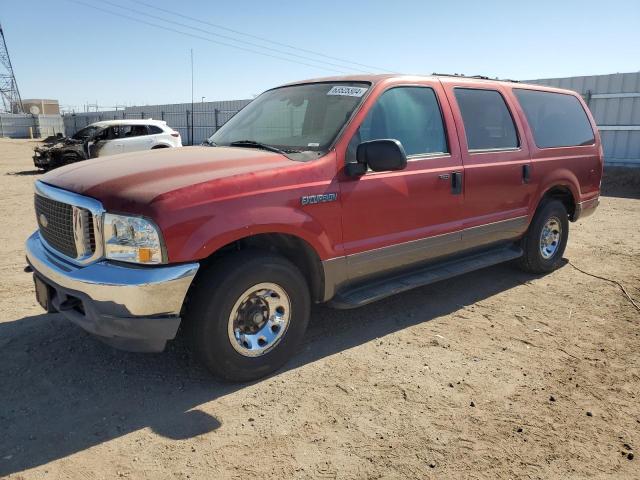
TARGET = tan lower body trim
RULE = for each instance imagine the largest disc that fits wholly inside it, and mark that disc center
(340, 271)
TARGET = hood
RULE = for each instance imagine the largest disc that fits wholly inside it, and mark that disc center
(53, 142)
(140, 177)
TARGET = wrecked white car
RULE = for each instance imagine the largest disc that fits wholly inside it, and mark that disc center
(105, 138)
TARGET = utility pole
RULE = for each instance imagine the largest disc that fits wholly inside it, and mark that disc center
(8, 84)
(192, 139)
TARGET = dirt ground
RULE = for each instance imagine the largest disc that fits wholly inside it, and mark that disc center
(496, 374)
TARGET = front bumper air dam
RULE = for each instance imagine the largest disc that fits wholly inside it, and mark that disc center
(41, 161)
(130, 307)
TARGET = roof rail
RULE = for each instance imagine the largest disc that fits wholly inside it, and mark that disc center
(478, 77)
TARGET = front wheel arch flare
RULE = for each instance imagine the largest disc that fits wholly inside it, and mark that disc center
(295, 249)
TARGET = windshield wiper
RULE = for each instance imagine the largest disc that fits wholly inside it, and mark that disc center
(253, 144)
(209, 143)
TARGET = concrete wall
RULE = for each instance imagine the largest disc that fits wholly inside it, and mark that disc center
(614, 101)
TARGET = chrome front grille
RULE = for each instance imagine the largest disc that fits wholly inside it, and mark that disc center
(92, 234)
(69, 223)
(55, 221)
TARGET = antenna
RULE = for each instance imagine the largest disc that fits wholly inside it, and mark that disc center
(192, 142)
(8, 85)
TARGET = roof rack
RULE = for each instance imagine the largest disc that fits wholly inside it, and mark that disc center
(477, 77)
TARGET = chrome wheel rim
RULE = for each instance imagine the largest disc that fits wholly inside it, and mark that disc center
(259, 319)
(550, 238)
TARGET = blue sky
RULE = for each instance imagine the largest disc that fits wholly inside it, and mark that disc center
(77, 54)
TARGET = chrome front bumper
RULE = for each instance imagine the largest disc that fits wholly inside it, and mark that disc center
(134, 308)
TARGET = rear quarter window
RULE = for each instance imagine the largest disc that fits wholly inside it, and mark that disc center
(555, 119)
(154, 130)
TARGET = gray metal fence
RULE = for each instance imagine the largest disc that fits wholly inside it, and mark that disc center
(206, 118)
(49, 125)
(30, 126)
(17, 125)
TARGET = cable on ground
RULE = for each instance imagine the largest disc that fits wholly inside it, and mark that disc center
(633, 302)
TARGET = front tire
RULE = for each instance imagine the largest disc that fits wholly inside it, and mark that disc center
(247, 315)
(545, 241)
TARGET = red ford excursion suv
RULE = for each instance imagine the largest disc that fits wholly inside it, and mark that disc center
(340, 190)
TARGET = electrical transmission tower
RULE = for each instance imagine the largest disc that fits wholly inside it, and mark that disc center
(8, 85)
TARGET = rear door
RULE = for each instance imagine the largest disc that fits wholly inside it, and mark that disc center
(499, 177)
(135, 138)
(393, 219)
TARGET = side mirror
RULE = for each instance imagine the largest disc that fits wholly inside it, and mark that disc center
(380, 155)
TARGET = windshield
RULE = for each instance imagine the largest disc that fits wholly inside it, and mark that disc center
(85, 133)
(296, 119)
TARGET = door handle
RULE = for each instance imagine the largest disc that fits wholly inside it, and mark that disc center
(526, 173)
(456, 183)
(443, 176)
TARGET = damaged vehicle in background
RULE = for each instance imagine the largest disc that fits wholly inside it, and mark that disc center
(105, 138)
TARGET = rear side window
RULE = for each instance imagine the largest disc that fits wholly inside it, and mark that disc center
(556, 119)
(408, 114)
(487, 121)
(153, 130)
(127, 131)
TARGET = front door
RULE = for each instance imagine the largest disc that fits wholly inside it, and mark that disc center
(393, 219)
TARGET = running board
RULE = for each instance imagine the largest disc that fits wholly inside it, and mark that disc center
(381, 288)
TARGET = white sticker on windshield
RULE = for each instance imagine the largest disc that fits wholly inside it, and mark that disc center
(313, 144)
(348, 91)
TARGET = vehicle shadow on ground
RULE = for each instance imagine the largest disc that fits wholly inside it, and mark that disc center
(64, 392)
(25, 173)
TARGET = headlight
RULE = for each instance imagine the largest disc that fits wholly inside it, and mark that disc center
(132, 239)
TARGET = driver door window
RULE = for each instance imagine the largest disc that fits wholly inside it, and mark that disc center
(408, 114)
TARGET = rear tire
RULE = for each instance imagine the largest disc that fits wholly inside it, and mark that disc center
(546, 239)
(247, 315)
